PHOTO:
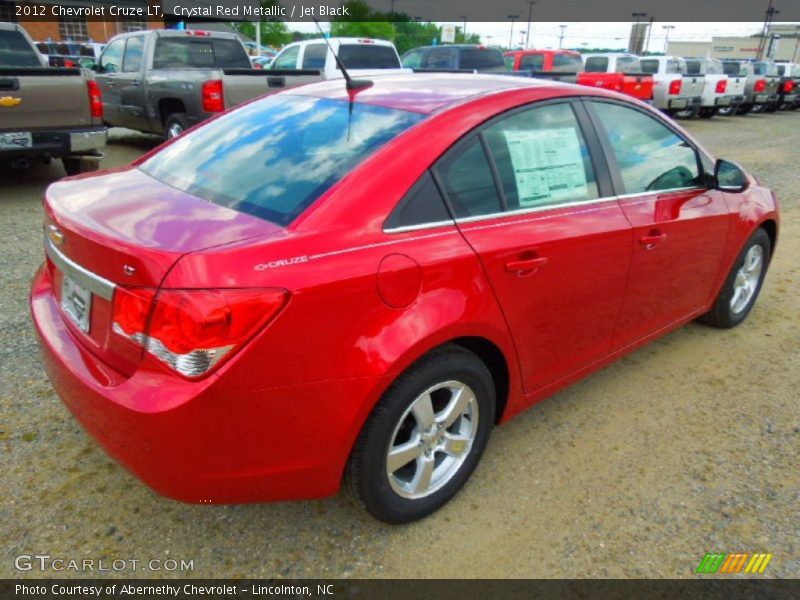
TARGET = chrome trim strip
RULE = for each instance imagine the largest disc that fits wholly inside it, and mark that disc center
(96, 284)
(659, 192)
(431, 225)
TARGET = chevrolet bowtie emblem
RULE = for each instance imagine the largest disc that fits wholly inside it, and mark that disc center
(55, 235)
(8, 101)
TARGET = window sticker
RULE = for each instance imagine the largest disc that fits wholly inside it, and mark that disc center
(548, 166)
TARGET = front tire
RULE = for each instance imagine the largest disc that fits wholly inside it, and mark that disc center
(743, 284)
(425, 437)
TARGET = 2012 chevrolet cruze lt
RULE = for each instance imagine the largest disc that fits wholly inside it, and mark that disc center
(323, 285)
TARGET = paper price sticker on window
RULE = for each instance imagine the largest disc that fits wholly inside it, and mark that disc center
(548, 166)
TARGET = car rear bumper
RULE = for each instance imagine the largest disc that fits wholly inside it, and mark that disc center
(204, 441)
(790, 97)
(58, 143)
(681, 103)
(765, 98)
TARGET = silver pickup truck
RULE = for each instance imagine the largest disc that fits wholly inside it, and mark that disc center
(46, 112)
(761, 87)
(165, 81)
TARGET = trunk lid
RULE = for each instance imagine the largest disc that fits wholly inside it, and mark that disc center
(47, 98)
(692, 85)
(126, 229)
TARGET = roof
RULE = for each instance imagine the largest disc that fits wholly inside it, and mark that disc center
(423, 92)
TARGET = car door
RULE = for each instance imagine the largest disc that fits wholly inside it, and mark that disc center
(130, 83)
(680, 226)
(537, 209)
(110, 65)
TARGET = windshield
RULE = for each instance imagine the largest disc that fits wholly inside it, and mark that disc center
(274, 157)
(368, 56)
(16, 52)
(768, 69)
(734, 69)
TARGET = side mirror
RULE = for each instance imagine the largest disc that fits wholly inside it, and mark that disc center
(729, 177)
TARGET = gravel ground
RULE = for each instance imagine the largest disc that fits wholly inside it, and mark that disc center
(687, 446)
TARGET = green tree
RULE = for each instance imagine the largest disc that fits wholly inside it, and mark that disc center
(273, 32)
(380, 30)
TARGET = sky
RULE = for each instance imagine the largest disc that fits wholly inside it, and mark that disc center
(589, 35)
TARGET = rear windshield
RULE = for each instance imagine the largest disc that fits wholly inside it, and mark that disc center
(566, 63)
(368, 56)
(650, 66)
(16, 52)
(628, 64)
(768, 69)
(531, 62)
(181, 53)
(483, 59)
(274, 157)
(732, 68)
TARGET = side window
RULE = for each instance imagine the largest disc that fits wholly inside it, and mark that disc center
(649, 66)
(422, 204)
(314, 56)
(542, 158)
(596, 64)
(650, 156)
(441, 58)
(132, 61)
(468, 181)
(412, 60)
(111, 60)
(287, 59)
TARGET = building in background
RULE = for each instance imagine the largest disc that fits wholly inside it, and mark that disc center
(782, 43)
(77, 29)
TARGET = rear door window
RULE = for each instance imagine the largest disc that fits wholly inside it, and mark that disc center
(413, 59)
(468, 181)
(16, 52)
(111, 59)
(650, 66)
(287, 59)
(368, 56)
(441, 58)
(132, 60)
(542, 158)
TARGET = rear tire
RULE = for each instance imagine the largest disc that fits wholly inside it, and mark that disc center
(759, 108)
(75, 165)
(175, 125)
(425, 436)
(744, 109)
(687, 113)
(707, 113)
(743, 284)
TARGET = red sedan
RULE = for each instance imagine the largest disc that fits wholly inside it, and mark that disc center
(307, 289)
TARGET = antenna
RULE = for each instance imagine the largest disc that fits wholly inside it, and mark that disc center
(353, 85)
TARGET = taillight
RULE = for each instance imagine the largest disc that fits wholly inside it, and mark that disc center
(192, 331)
(95, 99)
(760, 86)
(788, 86)
(69, 64)
(213, 101)
(675, 87)
(722, 85)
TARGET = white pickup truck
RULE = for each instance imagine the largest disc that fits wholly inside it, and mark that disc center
(674, 92)
(312, 60)
(721, 92)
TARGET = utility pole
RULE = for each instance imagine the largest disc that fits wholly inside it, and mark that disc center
(530, 17)
(633, 44)
(762, 42)
(511, 35)
(649, 29)
(464, 28)
(561, 37)
(667, 28)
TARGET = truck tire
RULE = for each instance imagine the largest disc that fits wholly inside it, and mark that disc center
(75, 165)
(707, 113)
(175, 125)
(758, 108)
(687, 113)
(744, 109)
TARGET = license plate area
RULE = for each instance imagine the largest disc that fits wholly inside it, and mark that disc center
(76, 301)
(15, 140)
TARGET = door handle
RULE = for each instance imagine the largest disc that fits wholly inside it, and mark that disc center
(652, 239)
(526, 266)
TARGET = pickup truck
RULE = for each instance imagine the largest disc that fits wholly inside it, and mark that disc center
(769, 71)
(674, 92)
(557, 65)
(789, 88)
(46, 112)
(759, 90)
(455, 57)
(360, 56)
(618, 72)
(721, 92)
